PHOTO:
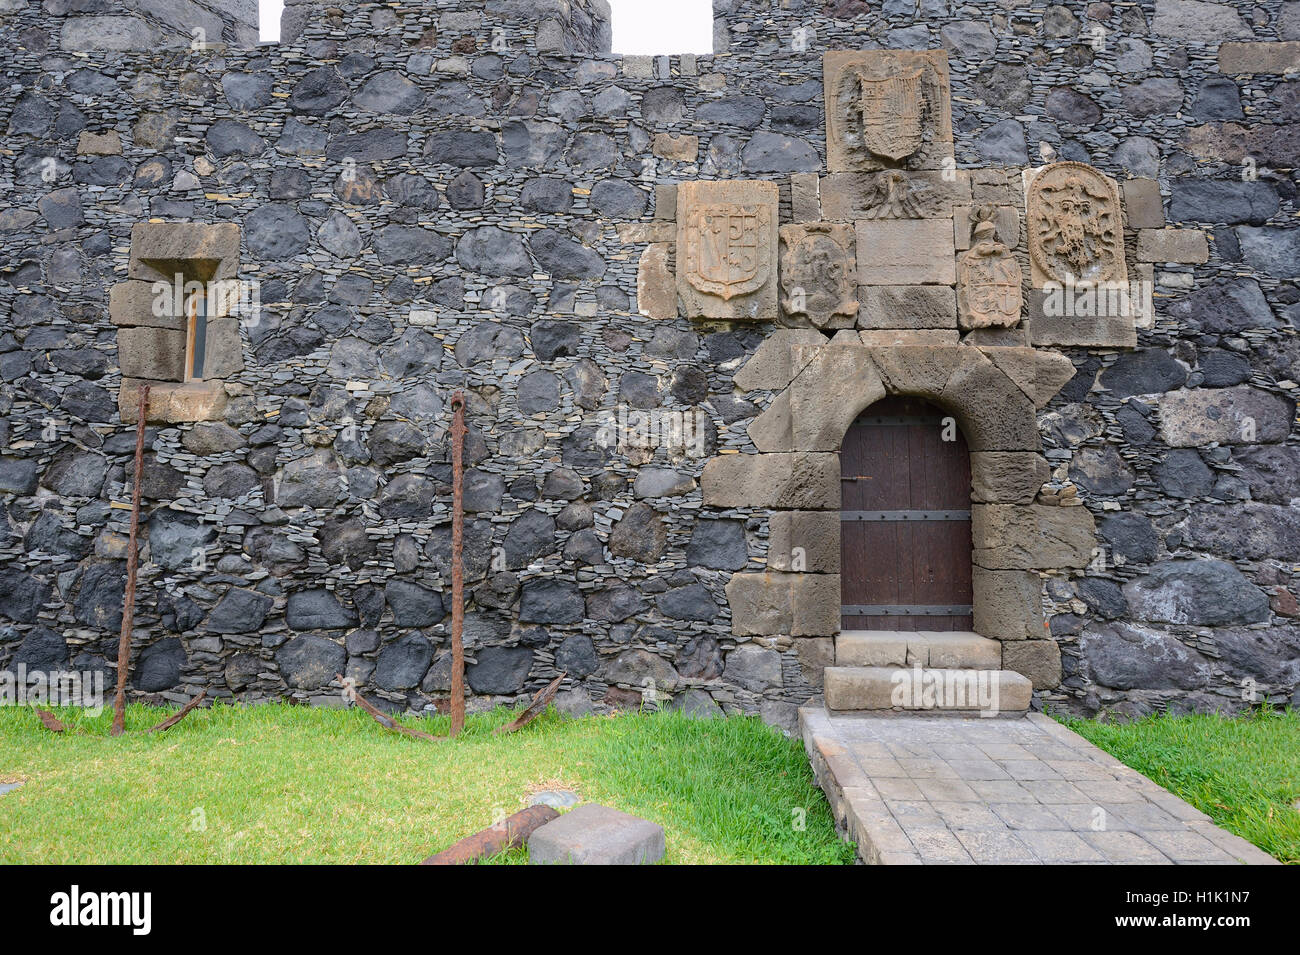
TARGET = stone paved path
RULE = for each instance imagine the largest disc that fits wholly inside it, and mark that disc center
(1026, 790)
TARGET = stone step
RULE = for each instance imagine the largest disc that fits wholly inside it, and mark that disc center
(925, 688)
(954, 649)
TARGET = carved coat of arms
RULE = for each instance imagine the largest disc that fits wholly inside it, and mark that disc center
(819, 274)
(988, 280)
(1074, 225)
(888, 112)
(886, 109)
(728, 248)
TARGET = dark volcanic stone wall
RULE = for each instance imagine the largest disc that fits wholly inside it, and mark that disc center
(436, 196)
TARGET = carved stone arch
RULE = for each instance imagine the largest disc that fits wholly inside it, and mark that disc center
(822, 387)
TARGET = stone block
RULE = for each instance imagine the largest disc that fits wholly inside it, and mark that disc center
(1049, 328)
(1038, 660)
(1008, 604)
(172, 403)
(666, 201)
(906, 252)
(154, 354)
(1268, 57)
(995, 414)
(892, 338)
(1039, 374)
(1006, 477)
(921, 648)
(680, 148)
(1193, 417)
(894, 194)
(1184, 246)
(99, 144)
(999, 187)
(1143, 207)
(919, 369)
(1031, 537)
(596, 835)
(804, 541)
(1017, 337)
(199, 251)
(872, 122)
(656, 286)
(1199, 21)
(815, 654)
(906, 306)
(782, 355)
(885, 688)
(727, 249)
(784, 481)
(765, 604)
(814, 412)
(139, 303)
(805, 199)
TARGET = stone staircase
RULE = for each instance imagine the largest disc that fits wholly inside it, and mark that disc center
(922, 670)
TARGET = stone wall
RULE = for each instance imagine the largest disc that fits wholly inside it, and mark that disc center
(441, 196)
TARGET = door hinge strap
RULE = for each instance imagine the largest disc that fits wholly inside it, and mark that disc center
(917, 515)
(905, 610)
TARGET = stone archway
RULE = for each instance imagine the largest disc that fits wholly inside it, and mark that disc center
(821, 387)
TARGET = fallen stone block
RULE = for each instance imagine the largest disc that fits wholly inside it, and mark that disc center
(596, 835)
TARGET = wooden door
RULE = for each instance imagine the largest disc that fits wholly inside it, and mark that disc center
(905, 539)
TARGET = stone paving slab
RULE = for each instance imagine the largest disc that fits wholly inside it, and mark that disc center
(959, 790)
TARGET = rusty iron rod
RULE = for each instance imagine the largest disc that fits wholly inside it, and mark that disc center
(132, 559)
(506, 834)
(457, 563)
(535, 708)
(382, 718)
(184, 711)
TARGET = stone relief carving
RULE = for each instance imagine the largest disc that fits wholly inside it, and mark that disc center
(887, 108)
(727, 249)
(893, 194)
(1074, 224)
(988, 278)
(819, 274)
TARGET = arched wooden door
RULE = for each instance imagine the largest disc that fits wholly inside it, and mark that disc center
(905, 537)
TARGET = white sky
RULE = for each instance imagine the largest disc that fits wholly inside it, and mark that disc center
(640, 26)
(662, 26)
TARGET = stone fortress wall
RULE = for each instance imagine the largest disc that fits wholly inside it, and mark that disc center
(433, 196)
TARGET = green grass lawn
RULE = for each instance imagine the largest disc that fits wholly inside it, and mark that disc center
(288, 784)
(1244, 773)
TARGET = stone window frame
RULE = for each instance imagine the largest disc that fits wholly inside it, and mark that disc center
(172, 264)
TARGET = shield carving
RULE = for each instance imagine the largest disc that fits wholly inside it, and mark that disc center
(728, 249)
(889, 109)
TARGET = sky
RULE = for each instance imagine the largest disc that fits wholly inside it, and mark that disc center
(640, 26)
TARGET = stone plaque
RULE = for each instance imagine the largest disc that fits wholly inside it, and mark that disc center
(905, 252)
(887, 108)
(727, 249)
(988, 278)
(819, 274)
(1074, 224)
